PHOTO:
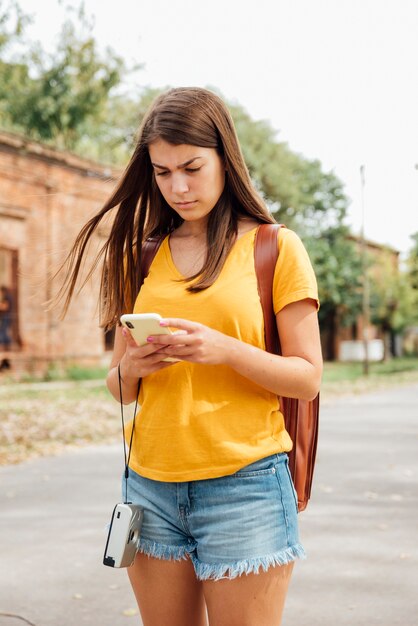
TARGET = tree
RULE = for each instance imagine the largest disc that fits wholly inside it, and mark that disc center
(412, 268)
(312, 202)
(111, 137)
(338, 269)
(296, 189)
(386, 291)
(56, 98)
(13, 72)
(394, 296)
(410, 303)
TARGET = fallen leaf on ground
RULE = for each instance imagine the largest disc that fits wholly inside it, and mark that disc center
(130, 612)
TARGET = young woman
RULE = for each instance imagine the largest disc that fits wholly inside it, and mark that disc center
(208, 462)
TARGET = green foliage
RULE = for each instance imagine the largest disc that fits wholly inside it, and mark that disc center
(56, 98)
(78, 372)
(410, 300)
(13, 73)
(312, 202)
(111, 138)
(338, 268)
(272, 165)
(386, 289)
(296, 189)
(412, 263)
(394, 292)
(12, 24)
(53, 372)
(341, 372)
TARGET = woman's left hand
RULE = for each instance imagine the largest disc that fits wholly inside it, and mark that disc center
(195, 342)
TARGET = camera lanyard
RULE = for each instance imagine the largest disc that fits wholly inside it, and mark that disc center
(123, 431)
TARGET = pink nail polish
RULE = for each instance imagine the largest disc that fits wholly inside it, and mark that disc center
(163, 324)
(150, 339)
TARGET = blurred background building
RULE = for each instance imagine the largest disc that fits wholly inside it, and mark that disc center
(46, 197)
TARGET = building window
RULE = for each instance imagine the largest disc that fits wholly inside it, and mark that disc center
(9, 319)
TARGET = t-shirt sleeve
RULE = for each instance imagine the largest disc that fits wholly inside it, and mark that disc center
(294, 278)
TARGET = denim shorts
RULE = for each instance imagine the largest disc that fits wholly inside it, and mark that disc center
(227, 526)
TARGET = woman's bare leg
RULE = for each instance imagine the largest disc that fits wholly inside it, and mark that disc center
(249, 600)
(168, 592)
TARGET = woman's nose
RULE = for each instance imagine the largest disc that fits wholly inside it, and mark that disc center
(179, 183)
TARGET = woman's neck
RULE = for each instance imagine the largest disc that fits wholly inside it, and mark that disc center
(198, 229)
(195, 230)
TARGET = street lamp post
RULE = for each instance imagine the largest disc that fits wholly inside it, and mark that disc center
(366, 296)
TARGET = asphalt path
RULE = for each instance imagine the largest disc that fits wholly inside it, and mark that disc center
(360, 529)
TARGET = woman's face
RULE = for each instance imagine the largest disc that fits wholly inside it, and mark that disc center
(191, 179)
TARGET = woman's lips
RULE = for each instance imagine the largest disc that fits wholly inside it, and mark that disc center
(185, 205)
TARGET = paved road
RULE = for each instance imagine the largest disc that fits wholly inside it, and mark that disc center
(360, 529)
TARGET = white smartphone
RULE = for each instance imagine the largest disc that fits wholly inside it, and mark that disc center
(142, 325)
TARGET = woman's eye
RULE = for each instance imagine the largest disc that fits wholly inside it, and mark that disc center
(187, 169)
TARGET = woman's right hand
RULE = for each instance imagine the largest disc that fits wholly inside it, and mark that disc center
(135, 363)
(140, 361)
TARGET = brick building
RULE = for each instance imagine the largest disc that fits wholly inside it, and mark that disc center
(341, 342)
(46, 196)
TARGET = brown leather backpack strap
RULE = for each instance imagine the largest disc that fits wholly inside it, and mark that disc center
(149, 250)
(266, 252)
(301, 416)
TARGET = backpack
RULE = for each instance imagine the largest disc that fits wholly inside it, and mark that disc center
(301, 416)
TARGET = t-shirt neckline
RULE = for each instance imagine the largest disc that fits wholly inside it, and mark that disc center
(169, 256)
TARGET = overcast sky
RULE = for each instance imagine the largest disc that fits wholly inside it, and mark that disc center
(338, 79)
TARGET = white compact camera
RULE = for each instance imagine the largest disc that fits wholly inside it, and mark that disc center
(122, 540)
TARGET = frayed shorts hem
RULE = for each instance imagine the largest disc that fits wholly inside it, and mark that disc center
(208, 571)
(221, 571)
(160, 551)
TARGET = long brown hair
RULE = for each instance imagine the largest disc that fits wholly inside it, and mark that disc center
(192, 116)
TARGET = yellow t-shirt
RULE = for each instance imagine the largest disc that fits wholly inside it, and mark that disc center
(204, 421)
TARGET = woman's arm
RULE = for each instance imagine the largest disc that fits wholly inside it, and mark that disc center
(296, 374)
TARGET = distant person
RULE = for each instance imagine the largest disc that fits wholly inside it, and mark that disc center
(5, 324)
(209, 462)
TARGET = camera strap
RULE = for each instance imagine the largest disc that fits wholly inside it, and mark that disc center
(127, 457)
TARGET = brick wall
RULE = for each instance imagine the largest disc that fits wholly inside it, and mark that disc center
(46, 196)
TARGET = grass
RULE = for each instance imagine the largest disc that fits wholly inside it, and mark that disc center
(53, 392)
(72, 372)
(348, 378)
(44, 418)
(334, 372)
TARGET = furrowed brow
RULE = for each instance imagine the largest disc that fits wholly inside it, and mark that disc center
(164, 167)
